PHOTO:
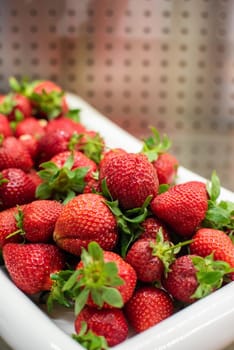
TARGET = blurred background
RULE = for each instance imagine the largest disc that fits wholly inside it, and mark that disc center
(164, 63)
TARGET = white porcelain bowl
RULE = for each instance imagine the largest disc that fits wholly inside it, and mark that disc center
(207, 324)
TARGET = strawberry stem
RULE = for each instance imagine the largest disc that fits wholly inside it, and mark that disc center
(89, 339)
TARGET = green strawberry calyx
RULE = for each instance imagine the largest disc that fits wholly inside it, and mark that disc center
(155, 145)
(19, 218)
(220, 214)
(89, 339)
(8, 104)
(96, 279)
(210, 274)
(61, 184)
(3, 180)
(74, 114)
(165, 250)
(128, 221)
(49, 103)
(91, 146)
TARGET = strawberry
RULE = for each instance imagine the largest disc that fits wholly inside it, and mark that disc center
(151, 226)
(192, 277)
(110, 324)
(151, 258)
(65, 176)
(85, 218)
(102, 279)
(8, 225)
(48, 99)
(16, 106)
(183, 207)
(5, 129)
(80, 160)
(30, 265)
(207, 241)
(36, 221)
(130, 178)
(67, 139)
(166, 165)
(155, 148)
(147, 307)
(31, 145)
(52, 143)
(31, 126)
(16, 188)
(14, 155)
(149, 267)
(66, 124)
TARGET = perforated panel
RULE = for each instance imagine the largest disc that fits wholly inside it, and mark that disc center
(149, 62)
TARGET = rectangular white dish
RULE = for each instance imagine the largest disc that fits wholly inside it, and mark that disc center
(206, 325)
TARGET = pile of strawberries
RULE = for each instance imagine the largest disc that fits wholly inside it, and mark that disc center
(106, 232)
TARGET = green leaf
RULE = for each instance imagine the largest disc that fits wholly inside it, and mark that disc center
(163, 188)
(155, 145)
(74, 114)
(210, 274)
(95, 251)
(213, 188)
(81, 300)
(112, 297)
(90, 340)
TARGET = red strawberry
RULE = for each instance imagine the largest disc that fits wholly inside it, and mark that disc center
(110, 324)
(80, 160)
(166, 165)
(38, 220)
(16, 106)
(151, 257)
(92, 186)
(8, 225)
(31, 144)
(30, 126)
(192, 277)
(147, 307)
(155, 148)
(102, 279)
(182, 207)
(16, 188)
(130, 178)
(65, 124)
(5, 128)
(14, 155)
(151, 226)
(208, 240)
(91, 270)
(48, 99)
(85, 218)
(52, 143)
(30, 265)
(149, 267)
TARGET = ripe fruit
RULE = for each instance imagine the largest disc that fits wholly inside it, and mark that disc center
(151, 226)
(130, 179)
(192, 277)
(30, 265)
(84, 219)
(48, 99)
(149, 267)
(5, 129)
(182, 207)
(166, 165)
(110, 324)
(38, 220)
(16, 106)
(8, 225)
(14, 155)
(30, 126)
(16, 188)
(147, 307)
(208, 240)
